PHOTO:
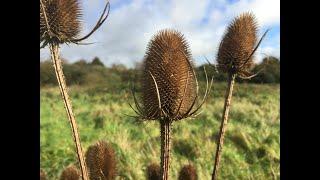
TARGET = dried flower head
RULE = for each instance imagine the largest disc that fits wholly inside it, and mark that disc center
(236, 49)
(70, 173)
(153, 172)
(168, 70)
(188, 172)
(60, 21)
(101, 161)
(63, 18)
(168, 80)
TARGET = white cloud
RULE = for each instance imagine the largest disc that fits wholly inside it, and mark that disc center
(266, 12)
(188, 12)
(124, 36)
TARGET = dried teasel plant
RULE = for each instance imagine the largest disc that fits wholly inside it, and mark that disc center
(235, 57)
(153, 171)
(60, 23)
(169, 87)
(188, 172)
(101, 161)
(70, 173)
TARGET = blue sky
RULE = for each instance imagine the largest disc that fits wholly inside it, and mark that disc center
(124, 36)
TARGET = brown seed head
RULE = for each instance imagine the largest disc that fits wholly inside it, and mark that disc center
(153, 172)
(63, 20)
(188, 172)
(70, 173)
(43, 175)
(101, 162)
(237, 44)
(168, 69)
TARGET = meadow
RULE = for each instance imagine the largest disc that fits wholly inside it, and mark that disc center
(251, 149)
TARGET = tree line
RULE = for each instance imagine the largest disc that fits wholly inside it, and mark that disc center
(95, 73)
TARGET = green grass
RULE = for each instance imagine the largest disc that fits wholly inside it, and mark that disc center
(251, 149)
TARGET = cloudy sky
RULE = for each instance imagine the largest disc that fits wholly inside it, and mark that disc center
(124, 36)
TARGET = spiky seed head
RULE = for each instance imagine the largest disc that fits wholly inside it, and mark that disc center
(101, 161)
(63, 19)
(43, 175)
(169, 60)
(153, 172)
(237, 44)
(188, 172)
(70, 173)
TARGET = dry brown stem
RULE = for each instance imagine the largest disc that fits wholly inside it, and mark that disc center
(57, 64)
(223, 125)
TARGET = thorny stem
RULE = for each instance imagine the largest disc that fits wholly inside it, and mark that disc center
(223, 125)
(165, 126)
(54, 49)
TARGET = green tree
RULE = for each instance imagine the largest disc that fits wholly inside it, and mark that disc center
(47, 75)
(270, 70)
(97, 62)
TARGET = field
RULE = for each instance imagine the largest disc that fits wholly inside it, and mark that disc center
(251, 149)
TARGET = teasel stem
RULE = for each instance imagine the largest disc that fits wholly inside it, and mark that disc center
(223, 125)
(165, 127)
(57, 64)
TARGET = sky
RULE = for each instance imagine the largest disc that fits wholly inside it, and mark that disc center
(124, 36)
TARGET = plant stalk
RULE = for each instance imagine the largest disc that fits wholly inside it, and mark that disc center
(223, 125)
(165, 148)
(57, 64)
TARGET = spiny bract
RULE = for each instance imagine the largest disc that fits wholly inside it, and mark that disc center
(168, 70)
(237, 44)
(63, 20)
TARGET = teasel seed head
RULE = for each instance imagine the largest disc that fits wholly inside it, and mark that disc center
(43, 175)
(63, 18)
(188, 172)
(101, 161)
(236, 49)
(70, 173)
(60, 21)
(153, 172)
(168, 80)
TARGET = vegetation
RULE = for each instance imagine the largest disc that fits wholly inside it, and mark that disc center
(251, 149)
